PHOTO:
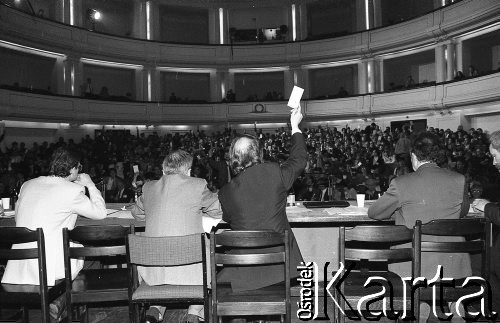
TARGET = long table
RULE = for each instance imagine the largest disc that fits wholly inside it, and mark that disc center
(316, 230)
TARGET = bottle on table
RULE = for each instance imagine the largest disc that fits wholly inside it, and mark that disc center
(290, 199)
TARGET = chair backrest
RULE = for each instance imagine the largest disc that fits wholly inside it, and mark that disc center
(476, 231)
(97, 241)
(166, 251)
(16, 235)
(375, 243)
(372, 236)
(242, 240)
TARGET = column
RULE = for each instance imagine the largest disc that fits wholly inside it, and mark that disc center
(151, 84)
(371, 76)
(59, 85)
(216, 79)
(62, 11)
(78, 12)
(139, 27)
(360, 15)
(450, 61)
(213, 26)
(376, 13)
(139, 85)
(300, 21)
(154, 20)
(379, 74)
(440, 63)
(229, 82)
(459, 56)
(301, 78)
(289, 81)
(362, 77)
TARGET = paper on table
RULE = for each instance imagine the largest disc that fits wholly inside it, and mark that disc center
(296, 209)
(207, 222)
(295, 97)
(350, 210)
(121, 214)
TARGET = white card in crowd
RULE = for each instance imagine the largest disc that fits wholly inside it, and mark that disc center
(295, 97)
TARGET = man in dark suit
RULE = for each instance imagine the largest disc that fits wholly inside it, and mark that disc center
(256, 200)
(492, 212)
(428, 194)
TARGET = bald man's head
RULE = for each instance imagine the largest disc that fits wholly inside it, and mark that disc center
(244, 152)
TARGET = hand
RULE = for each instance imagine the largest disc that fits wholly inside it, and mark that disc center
(84, 180)
(296, 117)
(479, 204)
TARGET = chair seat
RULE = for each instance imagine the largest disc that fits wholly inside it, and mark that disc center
(28, 294)
(449, 293)
(265, 301)
(173, 292)
(354, 283)
(100, 285)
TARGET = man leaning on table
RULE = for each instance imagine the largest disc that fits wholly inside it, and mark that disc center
(492, 212)
(53, 203)
(174, 206)
(428, 194)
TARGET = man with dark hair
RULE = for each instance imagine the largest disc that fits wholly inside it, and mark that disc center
(174, 206)
(256, 200)
(53, 203)
(492, 212)
(428, 194)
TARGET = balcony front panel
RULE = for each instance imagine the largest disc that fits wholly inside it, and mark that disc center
(249, 111)
(345, 107)
(480, 89)
(25, 106)
(36, 107)
(417, 99)
(452, 20)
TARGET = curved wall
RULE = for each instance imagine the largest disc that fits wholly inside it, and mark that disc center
(454, 96)
(437, 26)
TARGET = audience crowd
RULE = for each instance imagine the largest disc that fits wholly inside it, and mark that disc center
(341, 162)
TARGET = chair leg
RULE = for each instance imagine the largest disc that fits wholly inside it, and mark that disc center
(26, 316)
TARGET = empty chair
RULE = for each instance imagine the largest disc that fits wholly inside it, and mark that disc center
(272, 300)
(27, 295)
(477, 240)
(100, 285)
(371, 248)
(165, 251)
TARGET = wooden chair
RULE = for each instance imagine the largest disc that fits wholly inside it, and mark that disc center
(93, 286)
(165, 251)
(372, 248)
(27, 295)
(272, 300)
(477, 233)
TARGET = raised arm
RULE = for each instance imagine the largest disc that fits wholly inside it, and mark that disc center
(296, 162)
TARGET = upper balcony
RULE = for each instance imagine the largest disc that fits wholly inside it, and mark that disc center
(439, 25)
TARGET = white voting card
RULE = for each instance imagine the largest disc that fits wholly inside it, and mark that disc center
(295, 97)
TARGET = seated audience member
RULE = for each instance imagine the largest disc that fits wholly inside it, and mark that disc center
(492, 212)
(53, 203)
(114, 186)
(255, 199)
(173, 206)
(428, 194)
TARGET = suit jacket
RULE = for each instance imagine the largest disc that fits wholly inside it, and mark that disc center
(51, 203)
(173, 206)
(428, 194)
(492, 212)
(256, 200)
